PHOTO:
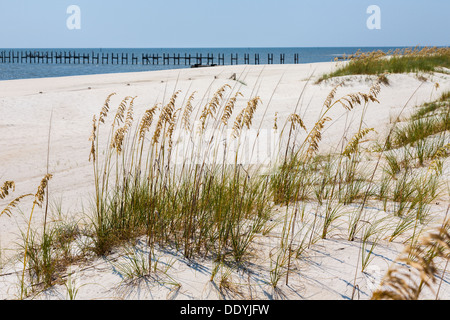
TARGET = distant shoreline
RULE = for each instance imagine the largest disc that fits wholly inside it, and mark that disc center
(14, 66)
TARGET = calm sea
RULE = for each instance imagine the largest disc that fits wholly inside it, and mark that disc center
(18, 70)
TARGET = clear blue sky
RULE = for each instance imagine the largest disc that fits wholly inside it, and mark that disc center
(223, 23)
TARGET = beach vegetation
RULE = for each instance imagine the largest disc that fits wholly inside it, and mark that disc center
(167, 179)
(408, 60)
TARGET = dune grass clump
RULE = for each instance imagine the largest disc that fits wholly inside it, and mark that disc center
(205, 206)
(431, 119)
(407, 60)
(305, 174)
(200, 206)
(419, 142)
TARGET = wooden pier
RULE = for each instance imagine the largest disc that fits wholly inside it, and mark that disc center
(125, 58)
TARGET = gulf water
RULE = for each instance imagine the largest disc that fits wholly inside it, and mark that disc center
(18, 70)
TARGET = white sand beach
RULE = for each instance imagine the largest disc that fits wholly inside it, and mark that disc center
(30, 109)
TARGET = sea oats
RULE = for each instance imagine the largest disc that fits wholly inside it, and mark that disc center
(118, 138)
(185, 120)
(352, 146)
(172, 122)
(275, 122)
(237, 126)
(331, 96)
(250, 111)
(228, 111)
(92, 139)
(315, 136)
(352, 100)
(119, 135)
(436, 163)
(4, 190)
(211, 108)
(415, 268)
(105, 109)
(130, 111)
(164, 117)
(146, 122)
(376, 87)
(245, 117)
(295, 119)
(119, 117)
(13, 204)
(39, 196)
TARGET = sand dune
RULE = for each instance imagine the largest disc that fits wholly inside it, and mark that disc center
(30, 109)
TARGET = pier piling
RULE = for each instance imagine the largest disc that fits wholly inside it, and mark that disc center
(125, 58)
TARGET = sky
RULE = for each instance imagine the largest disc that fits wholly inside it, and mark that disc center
(222, 23)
